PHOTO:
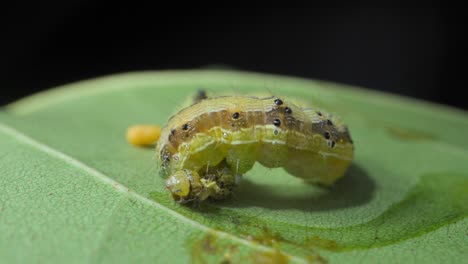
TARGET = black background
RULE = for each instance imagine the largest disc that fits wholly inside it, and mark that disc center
(410, 51)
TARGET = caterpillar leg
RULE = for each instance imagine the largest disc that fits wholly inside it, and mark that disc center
(225, 182)
(188, 185)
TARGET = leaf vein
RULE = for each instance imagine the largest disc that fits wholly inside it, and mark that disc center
(126, 191)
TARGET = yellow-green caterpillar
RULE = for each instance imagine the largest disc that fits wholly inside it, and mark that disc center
(206, 147)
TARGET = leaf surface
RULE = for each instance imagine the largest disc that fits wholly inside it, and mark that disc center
(73, 190)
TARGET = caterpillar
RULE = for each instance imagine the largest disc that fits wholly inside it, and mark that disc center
(205, 148)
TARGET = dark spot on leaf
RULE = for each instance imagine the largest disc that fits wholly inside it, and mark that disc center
(409, 135)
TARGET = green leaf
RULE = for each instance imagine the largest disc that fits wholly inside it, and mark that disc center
(72, 190)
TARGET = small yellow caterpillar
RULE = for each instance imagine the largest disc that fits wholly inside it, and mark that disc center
(205, 148)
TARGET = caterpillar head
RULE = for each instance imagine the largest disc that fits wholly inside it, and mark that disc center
(187, 185)
(184, 185)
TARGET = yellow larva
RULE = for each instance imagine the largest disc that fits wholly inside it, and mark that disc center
(205, 148)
